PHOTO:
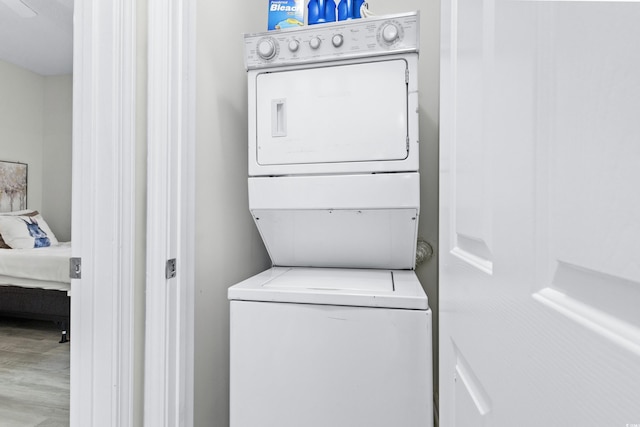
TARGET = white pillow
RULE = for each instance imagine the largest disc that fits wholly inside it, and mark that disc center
(27, 212)
(25, 232)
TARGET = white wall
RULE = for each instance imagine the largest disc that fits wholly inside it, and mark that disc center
(228, 246)
(35, 128)
(429, 101)
(56, 149)
(21, 124)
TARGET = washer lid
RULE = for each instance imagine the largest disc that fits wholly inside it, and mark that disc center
(334, 286)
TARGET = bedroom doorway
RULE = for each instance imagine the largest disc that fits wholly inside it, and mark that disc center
(108, 214)
(36, 50)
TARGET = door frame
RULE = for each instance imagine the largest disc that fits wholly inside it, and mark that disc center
(103, 213)
(169, 335)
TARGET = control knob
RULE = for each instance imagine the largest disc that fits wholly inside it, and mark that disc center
(337, 40)
(266, 48)
(390, 33)
(315, 42)
(294, 45)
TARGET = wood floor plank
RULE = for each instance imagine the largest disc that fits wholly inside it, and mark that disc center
(34, 375)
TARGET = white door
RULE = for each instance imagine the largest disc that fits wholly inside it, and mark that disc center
(540, 214)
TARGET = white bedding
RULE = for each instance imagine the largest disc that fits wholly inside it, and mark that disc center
(48, 267)
(31, 283)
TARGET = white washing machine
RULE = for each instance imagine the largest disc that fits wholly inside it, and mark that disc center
(330, 347)
(338, 332)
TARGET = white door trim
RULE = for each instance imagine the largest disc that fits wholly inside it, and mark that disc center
(103, 213)
(169, 337)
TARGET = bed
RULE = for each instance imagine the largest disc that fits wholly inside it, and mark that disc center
(34, 266)
(35, 284)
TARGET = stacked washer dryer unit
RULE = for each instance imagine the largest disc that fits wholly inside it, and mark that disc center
(338, 332)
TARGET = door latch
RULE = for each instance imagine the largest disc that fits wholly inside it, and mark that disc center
(170, 270)
(75, 268)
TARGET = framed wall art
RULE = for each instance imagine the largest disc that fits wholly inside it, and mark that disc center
(13, 186)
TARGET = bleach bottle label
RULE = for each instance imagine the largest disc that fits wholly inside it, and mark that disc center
(285, 14)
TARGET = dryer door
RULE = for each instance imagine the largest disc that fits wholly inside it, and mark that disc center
(332, 114)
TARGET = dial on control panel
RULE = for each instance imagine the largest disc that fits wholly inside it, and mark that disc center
(390, 33)
(266, 48)
(294, 45)
(315, 42)
(337, 40)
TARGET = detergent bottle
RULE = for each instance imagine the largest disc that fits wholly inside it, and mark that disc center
(345, 10)
(356, 8)
(321, 11)
(330, 11)
(313, 17)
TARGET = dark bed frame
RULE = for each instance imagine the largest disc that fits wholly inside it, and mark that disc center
(39, 304)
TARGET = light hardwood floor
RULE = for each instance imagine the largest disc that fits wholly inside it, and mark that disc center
(34, 374)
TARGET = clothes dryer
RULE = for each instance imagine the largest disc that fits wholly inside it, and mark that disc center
(334, 98)
(333, 142)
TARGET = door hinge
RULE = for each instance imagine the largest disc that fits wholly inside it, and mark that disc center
(406, 76)
(75, 268)
(170, 269)
(408, 143)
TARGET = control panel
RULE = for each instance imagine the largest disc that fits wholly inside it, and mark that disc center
(378, 35)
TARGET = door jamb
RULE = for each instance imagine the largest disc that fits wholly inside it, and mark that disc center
(103, 213)
(169, 336)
